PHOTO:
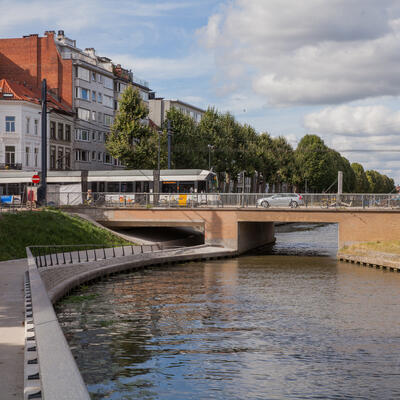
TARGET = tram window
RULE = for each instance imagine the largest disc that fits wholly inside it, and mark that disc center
(169, 187)
(127, 187)
(113, 187)
(202, 186)
(146, 187)
(2, 189)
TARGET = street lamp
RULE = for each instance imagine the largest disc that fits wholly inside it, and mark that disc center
(210, 147)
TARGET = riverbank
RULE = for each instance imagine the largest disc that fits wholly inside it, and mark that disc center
(381, 254)
(48, 227)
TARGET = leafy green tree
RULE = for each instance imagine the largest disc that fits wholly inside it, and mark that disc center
(131, 140)
(283, 160)
(316, 163)
(361, 181)
(188, 150)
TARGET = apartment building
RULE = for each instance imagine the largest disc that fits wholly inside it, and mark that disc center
(20, 129)
(158, 108)
(80, 79)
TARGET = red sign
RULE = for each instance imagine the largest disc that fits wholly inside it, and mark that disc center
(35, 179)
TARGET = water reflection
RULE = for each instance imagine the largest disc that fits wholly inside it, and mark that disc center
(255, 327)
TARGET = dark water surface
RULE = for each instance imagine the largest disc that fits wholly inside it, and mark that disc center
(258, 327)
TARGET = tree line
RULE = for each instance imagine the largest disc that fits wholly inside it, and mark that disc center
(233, 149)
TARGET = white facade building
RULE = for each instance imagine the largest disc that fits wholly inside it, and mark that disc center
(159, 107)
(20, 130)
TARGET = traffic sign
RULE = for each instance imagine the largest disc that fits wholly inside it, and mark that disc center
(35, 179)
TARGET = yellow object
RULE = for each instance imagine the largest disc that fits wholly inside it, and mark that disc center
(182, 199)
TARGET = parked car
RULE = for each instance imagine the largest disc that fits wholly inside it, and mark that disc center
(281, 200)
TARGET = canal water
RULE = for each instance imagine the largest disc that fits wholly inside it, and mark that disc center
(296, 324)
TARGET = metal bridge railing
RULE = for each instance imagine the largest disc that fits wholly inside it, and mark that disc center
(218, 200)
(49, 256)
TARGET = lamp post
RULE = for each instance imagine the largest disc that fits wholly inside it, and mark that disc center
(210, 147)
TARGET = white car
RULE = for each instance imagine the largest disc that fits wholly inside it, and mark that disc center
(281, 200)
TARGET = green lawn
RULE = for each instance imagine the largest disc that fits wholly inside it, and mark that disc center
(47, 227)
(384, 246)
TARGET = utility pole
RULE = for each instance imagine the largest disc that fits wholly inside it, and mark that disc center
(339, 187)
(169, 143)
(41, 193)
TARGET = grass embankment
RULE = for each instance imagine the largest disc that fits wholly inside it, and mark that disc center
(47, 227)
(387, 246)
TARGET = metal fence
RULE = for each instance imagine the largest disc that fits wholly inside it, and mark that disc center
(49, 256)
(218, 200)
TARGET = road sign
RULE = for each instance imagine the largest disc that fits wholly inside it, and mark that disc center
(35, 179)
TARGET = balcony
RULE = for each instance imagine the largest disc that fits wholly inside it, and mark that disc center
(5, 166)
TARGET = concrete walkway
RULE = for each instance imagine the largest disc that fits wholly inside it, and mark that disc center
(12, 329)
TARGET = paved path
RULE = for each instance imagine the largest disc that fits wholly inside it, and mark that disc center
(12, 329)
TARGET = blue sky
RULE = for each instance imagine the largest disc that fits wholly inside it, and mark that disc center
(328, 67)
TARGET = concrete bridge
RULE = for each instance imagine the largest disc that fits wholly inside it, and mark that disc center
(242, 229)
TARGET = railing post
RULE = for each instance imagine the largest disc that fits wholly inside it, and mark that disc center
(63, 255)
(94, 253)
(87, 256)
(113, 251)
(123, 251)
(104, 252)
(51, 258)
(79, 257)
(57, 257)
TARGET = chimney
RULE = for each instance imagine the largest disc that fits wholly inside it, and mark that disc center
(60, 33)
(49, 33)
(90, 51)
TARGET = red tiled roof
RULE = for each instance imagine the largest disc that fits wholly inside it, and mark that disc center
(10, 90)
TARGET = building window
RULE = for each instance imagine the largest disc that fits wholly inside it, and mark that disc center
(108, 101)
(60, 158)
(36, 128)
(93, 136)
(93, 76)
(10, 124)
(82, 135)
(93, 96)
(82, 93)
(100, 136)
(99, 78)
(36, 156)
(27, 156)
(67, 159)
(108, 83)
(28, 125)
(108, 120)
(99, 98)
(81, 155)
(94, 115)
(10, 155)
(99, 156)
(93, 156)
(52, 130)
(83, 114)
(60, 131)
(107, 159)
(52, 157)
(68, 133)
(83, 74)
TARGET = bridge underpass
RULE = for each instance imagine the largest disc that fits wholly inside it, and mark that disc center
(244, 229)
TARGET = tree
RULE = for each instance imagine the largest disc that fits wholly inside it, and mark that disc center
(361, 181)
(131, 140)
(188, 148)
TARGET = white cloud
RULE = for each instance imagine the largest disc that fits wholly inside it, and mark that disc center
(165, 68)
(365, 134)
(313, 52)
(374, 121)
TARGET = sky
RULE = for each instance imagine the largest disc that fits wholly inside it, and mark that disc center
(286, 67)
